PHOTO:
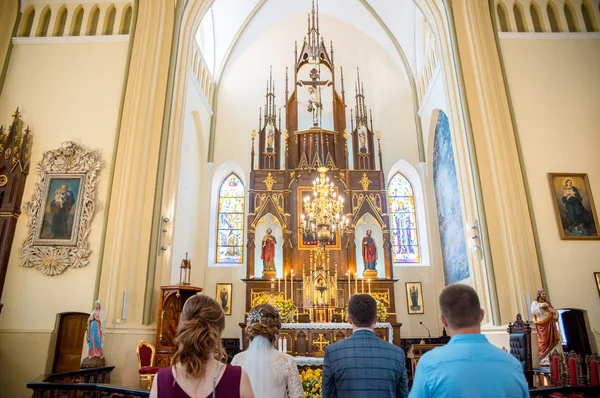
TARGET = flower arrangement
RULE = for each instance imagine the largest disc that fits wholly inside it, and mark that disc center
(286, 309)
(381, 311)
(262, 299)
(311, 382)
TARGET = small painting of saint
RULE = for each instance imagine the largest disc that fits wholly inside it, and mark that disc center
(574, 206)
(59, 217)
(224, 296)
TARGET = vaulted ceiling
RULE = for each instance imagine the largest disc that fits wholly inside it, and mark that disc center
(397, 25)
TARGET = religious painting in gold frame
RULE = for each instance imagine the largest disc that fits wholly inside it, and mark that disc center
(574, 206)
(414, 298)
(307, 241)
(223, 296)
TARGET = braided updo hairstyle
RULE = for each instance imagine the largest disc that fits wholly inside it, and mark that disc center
(263, 320)
(199, 334)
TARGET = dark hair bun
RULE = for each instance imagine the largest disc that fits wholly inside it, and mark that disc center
(263, 320)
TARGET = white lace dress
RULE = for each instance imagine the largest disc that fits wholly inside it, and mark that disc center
(272, 373)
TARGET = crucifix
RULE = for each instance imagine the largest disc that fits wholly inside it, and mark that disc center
(320, 342)
(314, 103)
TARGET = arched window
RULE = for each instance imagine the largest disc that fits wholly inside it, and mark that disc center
(403, 220)
(27, 23)
(519, 18)
(553, 17)
(77, 21)
(230, 222)
(588, 17)
(109, 21)
(92, 26)
(44, 23)
(571, 19)
(125, 21)
(503, 18)
(538, 26)
(61, 20)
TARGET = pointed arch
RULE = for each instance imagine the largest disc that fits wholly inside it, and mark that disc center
(588, 17)
(503, 17)
(403, 220)
(61, 20)
(538, 24)
(109, 20)
(125, 25)
(571, 17)
(27, 23)
(77, 22)
(553, 17)
(44, 23)
(519, 18)
(92, 25)
(230, 221)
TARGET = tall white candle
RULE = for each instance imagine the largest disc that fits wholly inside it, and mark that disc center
(284, 286)
(292, 285)
(362, 284)
(284, 345)
(349, 285)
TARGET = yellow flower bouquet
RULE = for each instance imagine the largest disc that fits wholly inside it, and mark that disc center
(286, 309)
(311, 382)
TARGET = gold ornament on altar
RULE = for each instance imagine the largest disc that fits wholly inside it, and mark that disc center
(320, 286)
(365, 182)
(185, 271)
(269, 181)
(324, 213)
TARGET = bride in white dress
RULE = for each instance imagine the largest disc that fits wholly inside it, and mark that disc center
(272, 374)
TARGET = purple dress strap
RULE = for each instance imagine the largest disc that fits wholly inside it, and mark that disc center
(228, 386)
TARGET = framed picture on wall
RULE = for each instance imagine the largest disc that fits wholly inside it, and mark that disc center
(223, 296)
(574, 206)
(597, 276)
(414, 298)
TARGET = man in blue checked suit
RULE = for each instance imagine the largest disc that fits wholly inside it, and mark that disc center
(363, 365)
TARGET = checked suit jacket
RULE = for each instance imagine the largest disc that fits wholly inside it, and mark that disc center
(363, 365)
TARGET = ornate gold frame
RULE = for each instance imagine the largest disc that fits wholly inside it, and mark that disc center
(301, 245)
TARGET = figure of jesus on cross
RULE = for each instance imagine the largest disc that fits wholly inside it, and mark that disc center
(314, 103)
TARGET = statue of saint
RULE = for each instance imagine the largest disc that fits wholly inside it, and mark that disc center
(545, 317)
(362, 138)
(314, 105)
(267, 253)
(95, 331)
(270, 134)
(369, 252)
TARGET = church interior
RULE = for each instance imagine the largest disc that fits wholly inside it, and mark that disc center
(294, 153)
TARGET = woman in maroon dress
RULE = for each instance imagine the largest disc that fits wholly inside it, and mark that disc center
(197, 371)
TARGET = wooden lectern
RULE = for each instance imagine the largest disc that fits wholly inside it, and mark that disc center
(416, 351)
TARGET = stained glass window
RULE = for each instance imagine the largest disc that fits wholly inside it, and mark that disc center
(403, 218)
(230, 228)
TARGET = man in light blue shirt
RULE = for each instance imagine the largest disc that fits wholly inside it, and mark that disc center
(468, 366)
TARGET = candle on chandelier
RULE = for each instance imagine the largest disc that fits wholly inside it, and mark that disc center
(349, 285)
(278, 284)
(272, 283)
(284, 286)
(356, 283)
(362, 284)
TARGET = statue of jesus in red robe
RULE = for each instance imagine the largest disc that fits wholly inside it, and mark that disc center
(267, 253)
(369, 252)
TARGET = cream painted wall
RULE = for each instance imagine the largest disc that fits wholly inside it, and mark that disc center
(554, 86)
(65, 92)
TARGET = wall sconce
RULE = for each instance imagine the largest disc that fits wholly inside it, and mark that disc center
(163, 231)
(476, 238)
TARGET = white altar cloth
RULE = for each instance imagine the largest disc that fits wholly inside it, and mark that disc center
(308, 361)
(336, 326)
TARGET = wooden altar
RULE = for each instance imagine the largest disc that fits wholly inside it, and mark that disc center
(311, 339)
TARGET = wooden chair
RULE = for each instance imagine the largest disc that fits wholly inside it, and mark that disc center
(558, 375)
(592, 362)
(575, 369)
(520, 346)
(146, 368)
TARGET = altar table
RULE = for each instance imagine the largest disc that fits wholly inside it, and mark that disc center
(310, 339)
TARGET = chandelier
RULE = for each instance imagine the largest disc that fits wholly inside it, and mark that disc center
(323, 213)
